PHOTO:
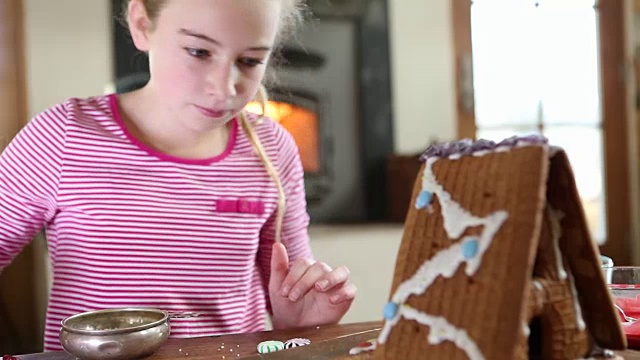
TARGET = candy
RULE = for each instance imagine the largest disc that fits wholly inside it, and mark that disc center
(369, 345)
(270, 346)
(390, 310)
(470, 248)
(295, 342)
(424, 199)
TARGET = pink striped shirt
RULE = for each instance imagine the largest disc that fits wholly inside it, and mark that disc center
(128, 226)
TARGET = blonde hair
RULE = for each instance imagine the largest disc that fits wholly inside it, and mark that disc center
(293, 13)
(261, 98)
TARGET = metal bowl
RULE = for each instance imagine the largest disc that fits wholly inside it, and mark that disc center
(115, 334)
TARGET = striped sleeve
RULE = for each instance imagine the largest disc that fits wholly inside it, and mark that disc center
(295, 235)
(30, 169)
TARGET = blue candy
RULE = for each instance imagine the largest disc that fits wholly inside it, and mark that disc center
(390, 310)
(470, 248)
(424, 199)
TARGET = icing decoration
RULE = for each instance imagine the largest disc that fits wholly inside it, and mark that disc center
(480, 153)
(369, 345)
(457, 149)
(457, 220)
(270, 346)
(556, 232)
(296, 342)
(576, 304)
(447, 261)
(538, 285)
(600, 353)
(390, 310)
(424, 199)
(442, 330)
(553, 150)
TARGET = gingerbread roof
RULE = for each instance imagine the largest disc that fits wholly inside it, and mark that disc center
(495, 231)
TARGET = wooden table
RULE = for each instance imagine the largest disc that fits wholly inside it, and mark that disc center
(243, 346)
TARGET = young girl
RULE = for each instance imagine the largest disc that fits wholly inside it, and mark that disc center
(171, 196)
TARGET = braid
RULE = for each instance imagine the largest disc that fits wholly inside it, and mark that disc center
(262, 99)
(271, 170)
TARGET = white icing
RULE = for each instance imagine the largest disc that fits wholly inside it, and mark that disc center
(538, 285)
(445, 262)
(576, 304)
(386, 329)
(481, 153)
(553, 150)
(442, 330)
(556, 232)
(521, 144)
(456, 219)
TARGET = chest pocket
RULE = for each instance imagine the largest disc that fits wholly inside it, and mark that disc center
(240, 206)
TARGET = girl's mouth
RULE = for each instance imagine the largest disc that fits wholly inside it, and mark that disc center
(212, 113)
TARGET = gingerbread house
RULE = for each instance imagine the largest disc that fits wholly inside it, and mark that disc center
(496, 261)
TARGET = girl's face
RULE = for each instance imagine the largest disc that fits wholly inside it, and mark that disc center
(207, 58)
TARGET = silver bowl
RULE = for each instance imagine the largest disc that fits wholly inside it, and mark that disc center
(115, 334)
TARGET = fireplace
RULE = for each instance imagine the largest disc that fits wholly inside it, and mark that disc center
(299, 115)
(331, 90)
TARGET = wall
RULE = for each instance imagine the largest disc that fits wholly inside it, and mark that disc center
(68, 44)
(369, 251)
(423, 73)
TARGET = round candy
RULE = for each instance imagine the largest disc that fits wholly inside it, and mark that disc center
(270, 346)
(296, 342)
(390, 310)
(424, 199)
(470, 248)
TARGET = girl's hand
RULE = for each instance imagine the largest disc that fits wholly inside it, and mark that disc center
(308, 294)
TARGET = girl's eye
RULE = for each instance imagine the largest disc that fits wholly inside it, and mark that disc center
(198, 53)
(250, 62)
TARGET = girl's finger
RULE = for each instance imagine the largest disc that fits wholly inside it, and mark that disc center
(298, 269)
(306, 283)
(337, 277)
(342, 294)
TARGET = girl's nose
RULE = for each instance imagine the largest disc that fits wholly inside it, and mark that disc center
(222, 81)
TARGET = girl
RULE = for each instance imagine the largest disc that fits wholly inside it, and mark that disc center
(171, 196)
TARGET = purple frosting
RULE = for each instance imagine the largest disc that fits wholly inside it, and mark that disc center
(468, 146)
